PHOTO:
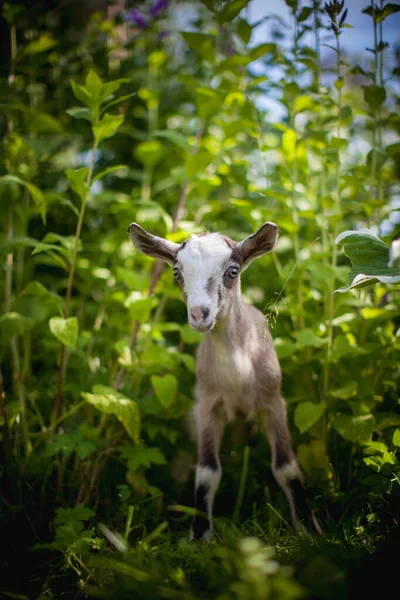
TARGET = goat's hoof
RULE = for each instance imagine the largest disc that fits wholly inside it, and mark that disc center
(201, 530)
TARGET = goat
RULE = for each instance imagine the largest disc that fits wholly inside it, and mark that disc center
(237, 369)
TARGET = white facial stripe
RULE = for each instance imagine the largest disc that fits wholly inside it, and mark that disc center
(201, 258)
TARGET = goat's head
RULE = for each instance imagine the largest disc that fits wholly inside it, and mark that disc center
(207, 267)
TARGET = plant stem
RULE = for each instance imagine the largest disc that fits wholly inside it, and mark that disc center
(63, 357)
(331, 306)
(374, 117)
(294, 178)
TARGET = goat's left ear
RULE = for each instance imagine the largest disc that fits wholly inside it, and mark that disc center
(258, 244)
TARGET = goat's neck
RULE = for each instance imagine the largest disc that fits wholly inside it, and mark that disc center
(233, 328)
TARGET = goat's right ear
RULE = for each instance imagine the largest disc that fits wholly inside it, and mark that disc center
(258, 244)
(152, 245)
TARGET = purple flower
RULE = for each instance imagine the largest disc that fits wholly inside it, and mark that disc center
(135, 16)
(157, 7)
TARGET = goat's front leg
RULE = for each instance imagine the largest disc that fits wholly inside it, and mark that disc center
(285, 467)
(210, 427)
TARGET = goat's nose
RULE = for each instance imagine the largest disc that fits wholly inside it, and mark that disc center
(199, 312)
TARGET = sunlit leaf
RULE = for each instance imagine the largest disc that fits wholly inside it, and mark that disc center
(208, 101)
(77, 179)
(107, 127)
(355, 428)
(36, 195)
(346, 392)
(109, 401)
(149, 153)
(115, 169)
(165, 388)
(231, 10)
(65, 330)
(396, 437)
(139, 308)
(289, 145)
(13, 324)
(43, 44)
(308, 413)
(369, 257)
(78, 112)
(201, 43)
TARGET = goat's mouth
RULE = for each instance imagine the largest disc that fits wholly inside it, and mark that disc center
(202, 327)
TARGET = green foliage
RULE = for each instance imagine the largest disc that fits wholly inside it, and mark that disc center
(97, 360)
(369, 258)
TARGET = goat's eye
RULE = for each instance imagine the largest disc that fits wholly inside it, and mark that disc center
(233, 272)
(176, 274)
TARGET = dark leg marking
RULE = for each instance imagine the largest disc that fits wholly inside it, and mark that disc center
(303, 510)
(283, 453)
(200, 523)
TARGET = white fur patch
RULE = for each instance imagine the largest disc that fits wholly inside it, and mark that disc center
(201, 258)
(288, 472)
(210, 479)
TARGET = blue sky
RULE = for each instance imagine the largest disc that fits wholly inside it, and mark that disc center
(353, 40)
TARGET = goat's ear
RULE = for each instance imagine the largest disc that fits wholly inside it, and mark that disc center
(258, 244)
(152, 245)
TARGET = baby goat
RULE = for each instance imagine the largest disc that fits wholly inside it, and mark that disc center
(237, 368)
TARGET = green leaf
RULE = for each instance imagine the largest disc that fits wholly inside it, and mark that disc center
(139, 308)
(262, 50)
(306, 414)
(65, 330)
(306, 337)
(374, 96)
(13, 324)
(82, 94)
(107, 127)
(142, 456)
(35, 288)
(78, 112)
(189, 335)
(303, 102)
(387, 419)
(231, 10)
(355, 428)
(44, 43)
(165, 388)
(208, 101)
(201, 43)
(396, 437)
(149, 153)
(108, 401)
(346, 392)
(289, 145)
(369, 257)
(244, 30)
(112, 86)
(178, 139)
(389, 9)
(121, 169)
(93, 85)
(116, 101)
(304, 14)
(209, 4)
(379, 14)
(77, 180)
(78, 513)
(36, 195)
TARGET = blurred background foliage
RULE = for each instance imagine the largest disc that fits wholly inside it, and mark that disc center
(155, 112)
